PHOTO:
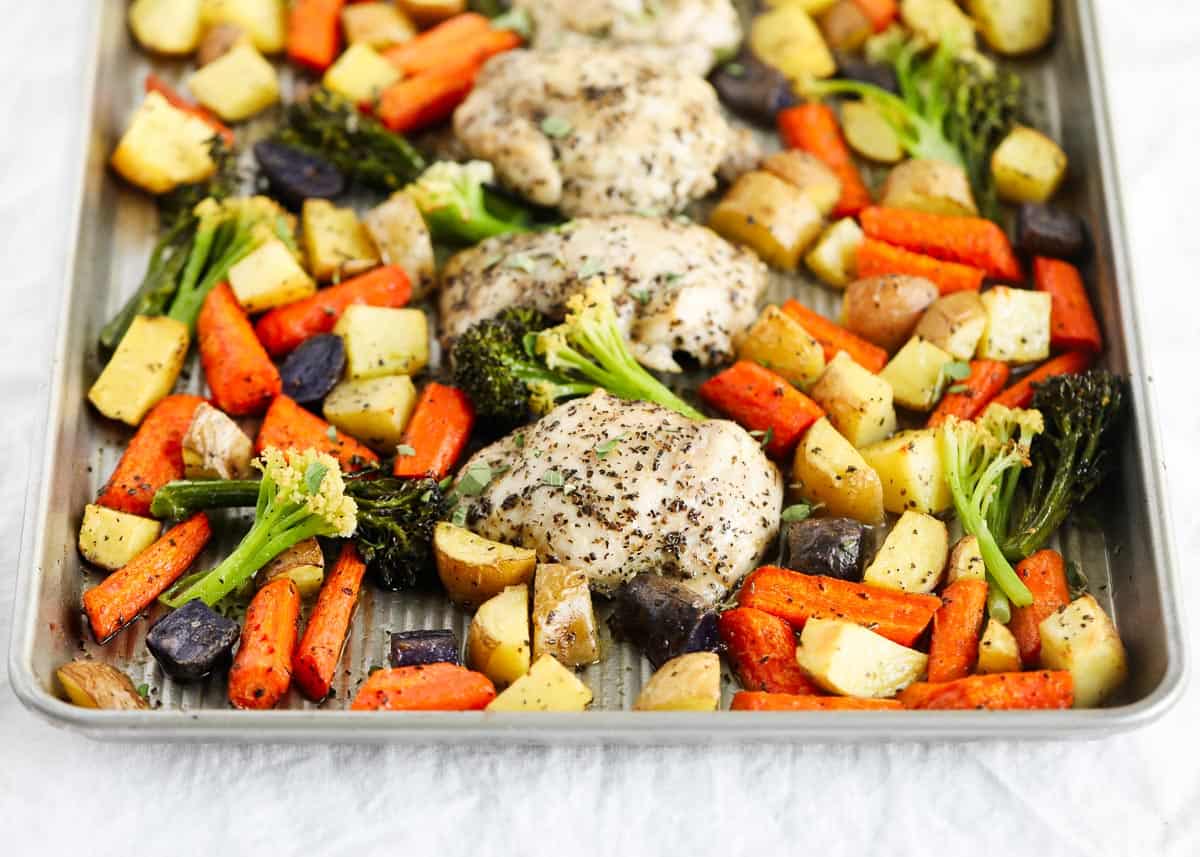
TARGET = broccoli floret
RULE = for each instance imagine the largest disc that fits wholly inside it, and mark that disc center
(452, 200)
(1069, 459)
(982, 459)
(396, 518)
(505, 383)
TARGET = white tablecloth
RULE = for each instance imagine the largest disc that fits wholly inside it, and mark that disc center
(1135, 794)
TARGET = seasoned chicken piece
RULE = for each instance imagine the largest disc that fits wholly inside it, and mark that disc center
(596, 131)
(616, 488)
(691, 35)
(215, 447)
(676, 286)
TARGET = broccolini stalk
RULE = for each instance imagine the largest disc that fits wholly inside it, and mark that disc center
(589, 343)
(979, 458)
(301, 495)
(184, 497)
(451, 198)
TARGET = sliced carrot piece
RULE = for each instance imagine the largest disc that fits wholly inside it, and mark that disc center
(437, 433)
(760, 400)
(289, 426)
(428, 687)
(954, 644)
(762, 648)
(996, 692)
(1045, 574)
(834, 338)
(262, 670)
(746, 700)
(320, 648)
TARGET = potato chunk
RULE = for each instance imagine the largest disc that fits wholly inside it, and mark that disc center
(857, 402)
(834, 258)
(955, 324)
(564, 624)
(94, 684)
(934, 20)
(829, 470)
(966, 561)
(1028, 166)
(935, 187)
(498, 639)
(383, 341)
(142, 370)
(690, 682)
(850, 660)
(912, 556)
(402, 238)
(269, 277)
(163, 147)
(335, 241)
(787, 38)
(215, 447)
(303, 562)
(809, 174)
(998, 650)
(917, 374)
(1013, 27)
(263, 20)
(374, 410)
(474, 569)
(548, 686)
(770, 216)
(237, 84)
(910, 469)
(1018, 325)
(869, 134)
(430, 12)
(376, 25)
(1081, 639)
(169, 27)
(781, 343)
(109, 539)
(360, 73)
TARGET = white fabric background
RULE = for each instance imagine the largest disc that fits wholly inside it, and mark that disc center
(1135, 794)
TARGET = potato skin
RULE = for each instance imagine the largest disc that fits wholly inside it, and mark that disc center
(808, 173)
(885, 310)
(474, 569)
(564, 623)
(1014, 27)
(935, 187)
(954, 323)
(95, 684)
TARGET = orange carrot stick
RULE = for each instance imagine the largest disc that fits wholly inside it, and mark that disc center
(1045, 574)
(746, 700)
(1020, 394)
(262, 670)
(428, 687)
(320, 648)
(125, 593)
(968, 240)
(438, 46)
(289, 426)
(986, 380)
(314, 33)
(428, 98)
(241, 376)
(760, 400)
(814, 128)
(834, 338)
(875, 258)
(795, 598)
(154, 83)
(285, 327)
(1073, 325)
(762, 648)
(996, 692)
(880, 12)
(954, 645)
(153, 458)
(439, 429)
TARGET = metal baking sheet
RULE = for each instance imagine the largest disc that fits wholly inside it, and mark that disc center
(1128, 557)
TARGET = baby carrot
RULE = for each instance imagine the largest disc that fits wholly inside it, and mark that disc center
(986, 380)
(289, 426)
(440, 426)
(875, 258)
(1045, 574)
(814, 128)
(1020, 394)
(834, 338)
(314, 33)
(746, 700)
(996, 692)
(762, 648)
(241, 376)
(262, 670)
(1073, 325)
(320, 648)
(954, 645)
(760, 400)
(438, 46)
(428, 687)
(968, 240)
(880, 12)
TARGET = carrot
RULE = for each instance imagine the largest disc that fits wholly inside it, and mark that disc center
(153, 458)
(986, 380)
(440, 426)
(438, 46)
(289, 426)
(875, 258)
(262, 671)
(154, 83)
(125, 593)
(241, 376)
(428, 687)
(314, 33)
(1020, 394)
(954, 644)
(834, 338)
(1045, 574)
(320, 648)
(745, 700)
(763, 650)
(760, 400)
(997, 692)
(880, 12)
(285, 327)
(795, 598)
(968, 240)
(426, 99)
(814, 128)
(1073, 325)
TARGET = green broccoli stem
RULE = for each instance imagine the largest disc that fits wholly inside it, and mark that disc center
(998, 605)
(446, 224)
(231, 243)
(183, 498)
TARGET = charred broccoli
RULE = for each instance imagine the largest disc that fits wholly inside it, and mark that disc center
(453, 199)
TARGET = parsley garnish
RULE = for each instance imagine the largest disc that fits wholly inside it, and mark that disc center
(957, 370)
(603, 449)
(143, 690)
(331, 433)
(314, 475)
(553, 478)
(405, 450)
(642, 296)
(519, 261)
(958, 388)
(519, 440)
(475, 480)
(798, 512)
(555, 126)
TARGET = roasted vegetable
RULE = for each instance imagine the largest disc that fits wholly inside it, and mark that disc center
(163, 147)
(95, 684)
(869, 133)
(236, 85)
(1013, 27)
(834, 547)
(452, 200)
(373, 410)
(109, 539)
(295, 175)
(564, 623)
(215, 447)
(383, 341)
(935, 187)
(690, 682)
(772, 217)
(912, 556)
(143, 369)
(413, 648)
(1028, 166)
(498, 639)
(314, 368)
(885, 310)
(1044, 230)
(858, 403)
(192, 641)
(850, 660)
(1082, 639)
(474, 569)
(827, 469)
(910, 470)
(877, 74)
(918, 374)
(663, 618)
(548, 686)
(753, 89)
(303, 563)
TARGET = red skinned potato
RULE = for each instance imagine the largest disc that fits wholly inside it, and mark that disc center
(885, 310)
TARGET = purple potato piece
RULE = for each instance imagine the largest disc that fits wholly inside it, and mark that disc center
(834, 547)
(753, 89)
(314, 368)
(412, 648)
(1045, 230)
(192, 641)
(295, 175)
(663, 618)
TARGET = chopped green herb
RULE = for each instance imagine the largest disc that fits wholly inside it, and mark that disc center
(553, 478)
(314, 475)
(798, 512)
(475, 480)
(958, 388)
(672, 276)
(520, 261)
(642, 296)
(555, 126)
(519, 440)
(764, 437)
(516, 20)
(604, 448)
(590, 268)
(459, 516)
(957, 370)
(445, 484)
(405, 450)
(143, 690)
(331, 433)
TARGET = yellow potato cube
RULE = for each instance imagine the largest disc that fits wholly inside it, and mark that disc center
(916, 374)
(857, 401)
(690, 682)
(269, 277)
(834, 258)
(263, 20)
(109, 539)
(912, 556)
(548, 686)
(1018, 325)
(787, 38)
(376, 25)
(237, 84)
(383, 341)
(828, 469)
(781, 343)
(772, 217)
(1028, 166)
(850, 660)
(163, 147)
(169, 27)
(1014, 27)
(360, 74)
(335, 241)
(402, 238)
(1082, 639)
(998, 650)
(498, 639)
(143, 369)
(910, 468)
(374, 410)
(935, 20)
